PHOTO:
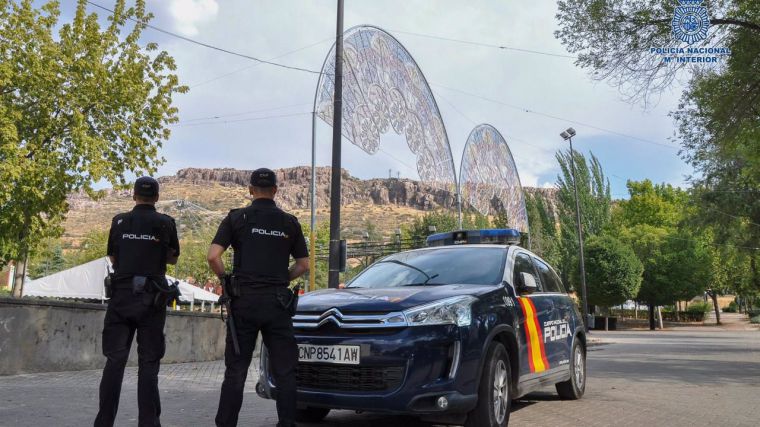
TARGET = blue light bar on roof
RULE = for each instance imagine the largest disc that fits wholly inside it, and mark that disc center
(499, 236)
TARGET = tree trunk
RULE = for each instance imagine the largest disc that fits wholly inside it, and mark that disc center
(651, 316)
(18, 280)
(714, 297)
(677, 306)
(659, 316)
(636, 310)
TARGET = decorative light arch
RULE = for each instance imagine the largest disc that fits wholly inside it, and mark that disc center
(488, 178)
(383, 90)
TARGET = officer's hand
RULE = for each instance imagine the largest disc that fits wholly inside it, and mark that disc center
(224, 299)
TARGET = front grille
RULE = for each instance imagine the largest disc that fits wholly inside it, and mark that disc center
(349, 378)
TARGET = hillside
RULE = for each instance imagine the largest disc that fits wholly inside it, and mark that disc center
(197, 196)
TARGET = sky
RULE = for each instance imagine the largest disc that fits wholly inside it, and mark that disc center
(300, 33)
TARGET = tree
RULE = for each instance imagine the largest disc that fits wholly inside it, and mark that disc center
(612, 38)
(613, 272)
(595, 202)
(653, 221)
(83, 106)
(47, 261)
(419, 229)
(544, 231)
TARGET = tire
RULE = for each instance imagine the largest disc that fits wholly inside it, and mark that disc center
(311, 414)
(494, 391)
(574, 388)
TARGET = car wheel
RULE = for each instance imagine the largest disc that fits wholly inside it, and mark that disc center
(495, 390)
(574, 388)
(311, 414)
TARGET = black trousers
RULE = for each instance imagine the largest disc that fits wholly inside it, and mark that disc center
(127, 314)
(264, 313)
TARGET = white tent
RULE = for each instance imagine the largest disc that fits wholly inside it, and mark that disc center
(86, 281)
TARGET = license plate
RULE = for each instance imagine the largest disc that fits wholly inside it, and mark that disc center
(339, 354)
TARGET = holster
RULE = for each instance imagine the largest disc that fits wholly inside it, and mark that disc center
(232, 286)
(139, 285)
(289, 299)
(107, 286)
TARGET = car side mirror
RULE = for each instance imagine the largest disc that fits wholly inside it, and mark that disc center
(527, 283)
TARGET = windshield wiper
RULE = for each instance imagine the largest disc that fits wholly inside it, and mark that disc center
(428, 277)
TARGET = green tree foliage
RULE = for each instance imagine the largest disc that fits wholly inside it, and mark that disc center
(595, 203)
(47, 261)
(677, 258)
(419, 229)
(544, 231)
(718, 118)
(613, 272)
(79, 104)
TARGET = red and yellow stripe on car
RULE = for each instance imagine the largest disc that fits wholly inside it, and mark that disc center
(536, 350)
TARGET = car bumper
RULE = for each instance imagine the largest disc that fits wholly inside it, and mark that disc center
(405, 371)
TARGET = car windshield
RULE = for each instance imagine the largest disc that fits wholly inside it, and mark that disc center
(436, 266)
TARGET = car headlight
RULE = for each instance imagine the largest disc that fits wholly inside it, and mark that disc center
(449, 311)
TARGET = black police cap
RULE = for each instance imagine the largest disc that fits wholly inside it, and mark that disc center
(146, 186)
(263, 177)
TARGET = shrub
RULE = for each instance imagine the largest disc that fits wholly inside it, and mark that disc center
(732, 307)
(755, 319)
(699, 307)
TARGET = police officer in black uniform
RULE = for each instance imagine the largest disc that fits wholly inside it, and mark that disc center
(263, 238)
(140, 244)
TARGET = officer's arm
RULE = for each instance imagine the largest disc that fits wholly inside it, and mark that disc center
(214, 259)
(299, 268)
(172, 257)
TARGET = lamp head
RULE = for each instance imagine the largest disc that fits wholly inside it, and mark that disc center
(571, 131)
(565, 135)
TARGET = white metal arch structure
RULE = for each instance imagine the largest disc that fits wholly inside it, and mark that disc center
(488, 177)
(384, 90)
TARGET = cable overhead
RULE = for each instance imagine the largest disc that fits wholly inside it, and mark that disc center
(252, 119)
(213, 79)
(494, 46)
(209, 46)
(528, 110)
(219, 116)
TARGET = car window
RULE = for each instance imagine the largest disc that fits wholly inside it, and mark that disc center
(549, 279)
(435, 266)
(523, 264)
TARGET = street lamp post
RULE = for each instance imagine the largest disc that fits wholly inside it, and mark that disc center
(568, 135)
(333, 276)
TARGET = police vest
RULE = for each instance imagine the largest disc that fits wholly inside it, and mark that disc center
(142, 242)
(263, 241)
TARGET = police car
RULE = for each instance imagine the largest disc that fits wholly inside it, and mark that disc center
(452, 333)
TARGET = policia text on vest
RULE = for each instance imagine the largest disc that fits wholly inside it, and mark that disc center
(140, 244)
(263, 238)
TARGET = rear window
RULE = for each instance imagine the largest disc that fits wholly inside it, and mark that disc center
(438, 266)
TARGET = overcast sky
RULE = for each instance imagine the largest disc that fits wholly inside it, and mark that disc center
(222, 84)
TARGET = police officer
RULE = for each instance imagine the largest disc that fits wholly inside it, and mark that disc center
(263, 238)
(140, 244)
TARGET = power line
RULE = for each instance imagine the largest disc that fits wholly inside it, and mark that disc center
(242, 113)
(213, 79)
(209, 46)
(528, 110)
(494, 46)
(252, 119)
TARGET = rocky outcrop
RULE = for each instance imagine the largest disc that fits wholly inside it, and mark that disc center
(294, 187)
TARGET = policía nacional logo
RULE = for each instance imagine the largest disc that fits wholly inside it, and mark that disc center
(690, 21)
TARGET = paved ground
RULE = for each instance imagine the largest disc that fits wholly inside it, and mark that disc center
(698, 376)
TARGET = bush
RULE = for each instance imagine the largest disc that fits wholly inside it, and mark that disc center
(732, 307)
(755, 319)
(699, 307)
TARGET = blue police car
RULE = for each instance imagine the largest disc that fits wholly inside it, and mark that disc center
(452, 333)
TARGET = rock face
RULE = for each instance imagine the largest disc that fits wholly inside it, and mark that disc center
(294, 187)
